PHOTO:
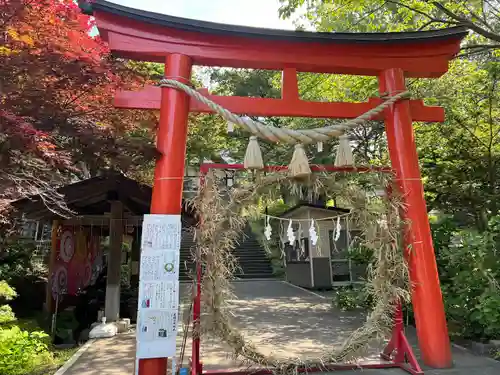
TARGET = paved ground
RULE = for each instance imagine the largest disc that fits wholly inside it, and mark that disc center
(279, 319)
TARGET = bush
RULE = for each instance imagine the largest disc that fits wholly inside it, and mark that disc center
(469, 268)
(350, 298)
(17, 260)
(6, 294)
(26, 273)
(21, 352)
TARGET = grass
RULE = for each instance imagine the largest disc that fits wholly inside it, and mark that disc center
(60, 357)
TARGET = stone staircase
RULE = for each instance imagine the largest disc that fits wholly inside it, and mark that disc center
(185, 267)
(252, 258)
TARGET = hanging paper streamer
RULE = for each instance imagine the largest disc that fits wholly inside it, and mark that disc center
(290, 233)
(283, 239)
(337, 230)
(320, 146)
(230, 127)
(268, 231)
(298, 234)
(312, 233)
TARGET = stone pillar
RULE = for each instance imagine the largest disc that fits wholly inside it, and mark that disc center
(112, 304)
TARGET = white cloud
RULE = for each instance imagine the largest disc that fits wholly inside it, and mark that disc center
(257, 13)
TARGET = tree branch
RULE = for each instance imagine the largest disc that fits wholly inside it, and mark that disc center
(466, 128)
(466, 22)
(434, 19)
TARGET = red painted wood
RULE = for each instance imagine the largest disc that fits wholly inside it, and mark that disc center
(171, 141)
(398, 348)
(169, 170)
(318, 369)
(426, 293)
(142, 41)
(205, 167)
(150, 98)
(290, 86)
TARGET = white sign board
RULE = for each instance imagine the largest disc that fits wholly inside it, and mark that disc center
(158, 309)
(161, 232)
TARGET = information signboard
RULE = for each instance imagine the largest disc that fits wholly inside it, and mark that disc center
(158, 309)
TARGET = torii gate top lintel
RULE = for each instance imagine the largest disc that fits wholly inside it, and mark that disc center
(148, 36)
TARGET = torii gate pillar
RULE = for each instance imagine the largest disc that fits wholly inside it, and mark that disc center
(169, 170)
(426, 292)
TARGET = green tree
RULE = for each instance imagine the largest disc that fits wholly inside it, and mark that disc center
(461, 157)
(481, 16)
(6, 294)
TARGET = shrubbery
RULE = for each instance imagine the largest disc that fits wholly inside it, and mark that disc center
(21, 351)
(352, 298)
(469, 270)
(6, 294)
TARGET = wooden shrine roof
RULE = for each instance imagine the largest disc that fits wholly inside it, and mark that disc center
(333, 210)
(92, 197)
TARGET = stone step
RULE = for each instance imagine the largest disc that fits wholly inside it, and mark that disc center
(252, 258)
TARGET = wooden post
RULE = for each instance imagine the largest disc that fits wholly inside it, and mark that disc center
(135, 257)
(52, 261)
(112, 304)
(426, 293)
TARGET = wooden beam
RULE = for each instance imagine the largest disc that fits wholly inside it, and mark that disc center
(150, 98)
(101, 221)
(135, 258)
(143, 41)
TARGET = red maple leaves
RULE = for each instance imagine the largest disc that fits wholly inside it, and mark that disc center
(57, 82)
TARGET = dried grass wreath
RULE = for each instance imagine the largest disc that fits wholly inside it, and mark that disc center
(221, 227)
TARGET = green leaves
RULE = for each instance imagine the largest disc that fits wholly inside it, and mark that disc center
(400, 15)
(460, 158)
(6, 292)
(469, 270)
(21, 352)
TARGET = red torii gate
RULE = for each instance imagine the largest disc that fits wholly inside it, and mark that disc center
(181, 43)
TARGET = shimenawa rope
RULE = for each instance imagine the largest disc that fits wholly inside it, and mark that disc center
(299, 166)
(292, 136)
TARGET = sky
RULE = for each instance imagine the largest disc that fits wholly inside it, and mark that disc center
(257, 13)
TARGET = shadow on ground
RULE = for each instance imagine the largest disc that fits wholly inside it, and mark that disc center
(279, 319)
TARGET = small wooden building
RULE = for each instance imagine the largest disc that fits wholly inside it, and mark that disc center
(108, 206)
(325, 264)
